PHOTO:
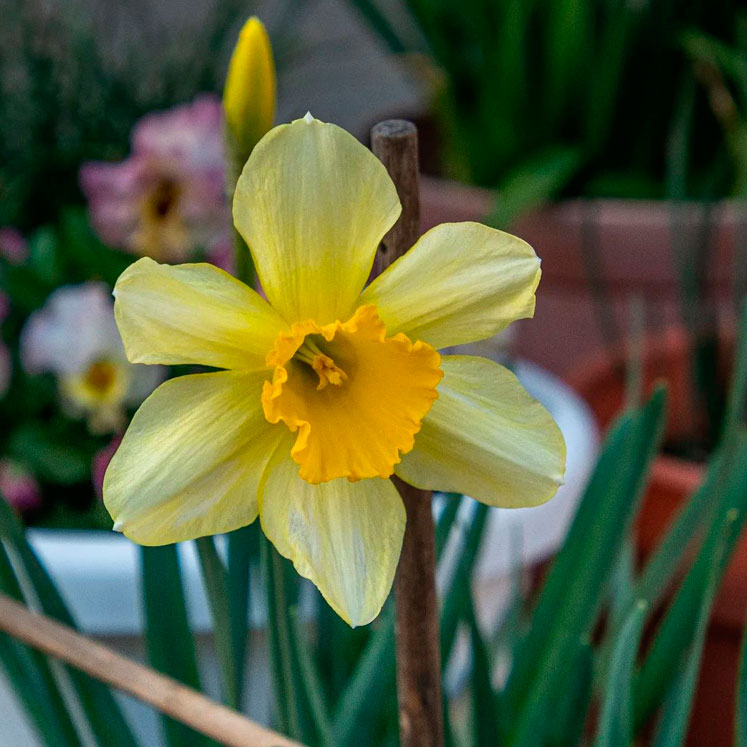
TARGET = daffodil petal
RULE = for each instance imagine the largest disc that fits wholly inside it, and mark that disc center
(192, 313)
(344, 536)
(313, 204)
(461, 282)
(486, 437)
(190, 462)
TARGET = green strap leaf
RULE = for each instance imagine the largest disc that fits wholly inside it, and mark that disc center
(215, 579)
(374, 673)
(456, 595)
(616, 720)
(569, 714)
(171, 648)
(672, 727)
(104, 717)
(312, 685)
(243, 548)
(285, 677)
(675, 633)
(31, 676)
(484, 705)
(535, 181)
(578, 582)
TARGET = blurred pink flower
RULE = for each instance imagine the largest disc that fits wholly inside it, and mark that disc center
(168, 198)
(13, 246)
(101, 461)
(222, 255)
(5, 369)
(18, 486)
(75, 337)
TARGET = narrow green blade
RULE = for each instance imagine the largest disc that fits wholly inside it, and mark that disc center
(570, 712)
(675, 633)
(616, 720)
(577, 584)
(171, 648)
(215, 579)
(672, 727)
(285, 677)
(31, 676)
(312, 686)
(456, 595)
(534, 182)
(484, 705)
(243, 548)
(374, 674)
(104, 716)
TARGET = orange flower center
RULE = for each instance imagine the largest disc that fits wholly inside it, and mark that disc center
(355, 396)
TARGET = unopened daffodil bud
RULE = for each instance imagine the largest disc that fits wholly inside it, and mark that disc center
(249, 95)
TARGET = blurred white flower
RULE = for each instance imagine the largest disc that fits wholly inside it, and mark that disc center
(75, 337)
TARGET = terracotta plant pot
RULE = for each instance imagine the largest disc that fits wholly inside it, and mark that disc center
(600, 380)
(597, 255)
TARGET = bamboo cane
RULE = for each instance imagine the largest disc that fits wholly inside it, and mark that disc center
(395, 142)
(163, 693)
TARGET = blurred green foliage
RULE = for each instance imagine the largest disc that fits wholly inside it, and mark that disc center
(76, 76)
(57, 449)
(545, 98)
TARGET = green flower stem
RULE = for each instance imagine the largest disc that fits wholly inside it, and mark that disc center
(279, 640)
(216, 586)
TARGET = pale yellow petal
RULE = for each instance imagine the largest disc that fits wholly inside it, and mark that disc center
(344, 536)
(193, 313)
(461, 282)
(486, 437)
(190, 462)
(313, 204)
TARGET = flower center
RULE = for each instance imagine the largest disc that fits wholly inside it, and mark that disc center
(101, 376)
(326, 369)
(163, 198)
(355, 396)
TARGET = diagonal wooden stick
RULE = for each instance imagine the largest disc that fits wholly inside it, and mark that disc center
(163, 693)
(395, 142)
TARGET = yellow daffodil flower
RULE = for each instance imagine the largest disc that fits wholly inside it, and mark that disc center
(249, 93)
(328, 388)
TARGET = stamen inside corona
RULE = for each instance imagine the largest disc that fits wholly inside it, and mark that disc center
(355, 396)
(327, 370)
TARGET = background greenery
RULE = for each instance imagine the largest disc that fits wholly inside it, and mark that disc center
(599, 98)
(76, 76)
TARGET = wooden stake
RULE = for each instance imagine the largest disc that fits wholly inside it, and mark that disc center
(395, 142)
(163, 693)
